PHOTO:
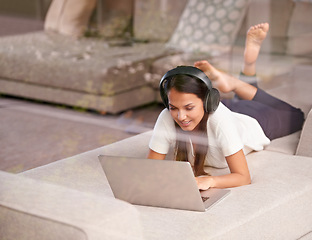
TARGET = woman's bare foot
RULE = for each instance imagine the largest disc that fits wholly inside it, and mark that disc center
(226, 83)
(255, 36)
(222, 81)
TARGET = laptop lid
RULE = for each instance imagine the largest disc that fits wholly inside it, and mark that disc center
(157, 183)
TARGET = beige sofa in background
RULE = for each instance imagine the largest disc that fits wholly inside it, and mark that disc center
(97, 74)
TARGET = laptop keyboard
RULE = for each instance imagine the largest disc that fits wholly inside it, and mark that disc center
(205, 199)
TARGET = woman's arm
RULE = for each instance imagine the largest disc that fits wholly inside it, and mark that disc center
(155, 155)
(239, 174)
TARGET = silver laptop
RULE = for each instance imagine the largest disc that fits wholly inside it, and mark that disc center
(158, 183)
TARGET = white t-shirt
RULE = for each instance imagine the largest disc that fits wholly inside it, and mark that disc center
(228, 132)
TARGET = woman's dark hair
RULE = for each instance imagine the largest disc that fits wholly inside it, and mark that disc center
(190, 84)
(187, 84)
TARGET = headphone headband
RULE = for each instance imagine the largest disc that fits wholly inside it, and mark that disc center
(212, 97)
(188, 70)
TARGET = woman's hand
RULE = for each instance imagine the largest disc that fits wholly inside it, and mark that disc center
(204, 182)
(239, 175)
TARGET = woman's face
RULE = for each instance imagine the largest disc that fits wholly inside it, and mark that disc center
(186, 109)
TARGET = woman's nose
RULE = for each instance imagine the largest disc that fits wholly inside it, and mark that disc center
(181, 115)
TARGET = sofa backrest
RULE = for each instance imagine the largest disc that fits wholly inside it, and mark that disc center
(305, 142)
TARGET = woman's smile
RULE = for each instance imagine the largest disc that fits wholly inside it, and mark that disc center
(185, 123)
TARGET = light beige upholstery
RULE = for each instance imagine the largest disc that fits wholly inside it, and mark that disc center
(305, 142)
(32, 209)
(287, 144)
(276, 205)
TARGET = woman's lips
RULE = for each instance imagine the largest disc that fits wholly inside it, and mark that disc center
(185, 123)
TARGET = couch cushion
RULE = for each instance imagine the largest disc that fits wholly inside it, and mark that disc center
(305, 142)
(287, 144)
(27, 205)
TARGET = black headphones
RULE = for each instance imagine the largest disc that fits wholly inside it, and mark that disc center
(212, 99)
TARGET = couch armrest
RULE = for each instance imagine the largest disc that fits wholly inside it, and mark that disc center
(305, 142)
(32, 209)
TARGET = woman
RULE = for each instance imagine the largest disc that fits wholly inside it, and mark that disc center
(220, 135)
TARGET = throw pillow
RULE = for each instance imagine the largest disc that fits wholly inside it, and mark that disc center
(208, 26)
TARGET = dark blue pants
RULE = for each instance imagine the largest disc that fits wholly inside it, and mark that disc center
(276, 117)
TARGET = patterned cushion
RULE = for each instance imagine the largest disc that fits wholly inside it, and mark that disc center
(208, 26)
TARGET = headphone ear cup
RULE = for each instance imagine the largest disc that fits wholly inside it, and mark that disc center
(212, 100)
(163, 94)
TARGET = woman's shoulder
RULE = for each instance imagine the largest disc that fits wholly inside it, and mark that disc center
(222, 121)
(165, 115)
(165, 118)
(221, 114)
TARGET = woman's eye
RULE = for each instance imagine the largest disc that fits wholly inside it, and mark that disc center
(172, 108)
(189, 108)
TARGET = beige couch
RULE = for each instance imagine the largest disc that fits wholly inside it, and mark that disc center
(71, 199)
